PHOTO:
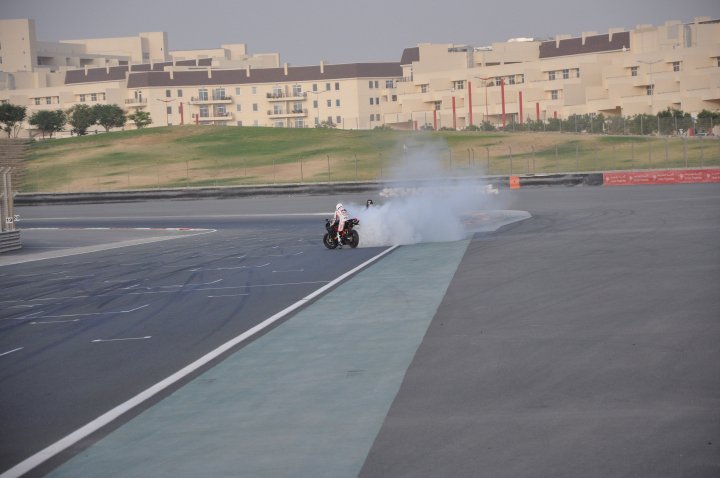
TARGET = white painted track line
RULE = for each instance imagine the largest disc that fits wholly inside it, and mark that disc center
(95, 425)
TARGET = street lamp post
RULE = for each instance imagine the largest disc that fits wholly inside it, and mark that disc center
(652, 85)
(317, 112)
(485, 80)
(167, 115)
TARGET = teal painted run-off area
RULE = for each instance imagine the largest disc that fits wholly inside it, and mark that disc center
(305, 400)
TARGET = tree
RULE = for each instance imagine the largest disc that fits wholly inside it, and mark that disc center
(11, 118)
(48, 121)
(141, 119)
(80, 118)
(109, 116)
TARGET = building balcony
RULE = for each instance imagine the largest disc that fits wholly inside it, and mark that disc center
(216, 100)
(227, 116)
(295, 113)
(281, 96)
(136, 102)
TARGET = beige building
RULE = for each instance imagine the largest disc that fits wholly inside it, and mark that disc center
(645, 70)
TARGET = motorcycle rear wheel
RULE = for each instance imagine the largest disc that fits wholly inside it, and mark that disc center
(355, 239)
(329, 242)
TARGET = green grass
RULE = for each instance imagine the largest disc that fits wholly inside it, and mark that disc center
(207, 156)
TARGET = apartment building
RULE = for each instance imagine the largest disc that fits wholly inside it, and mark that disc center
(644, 70)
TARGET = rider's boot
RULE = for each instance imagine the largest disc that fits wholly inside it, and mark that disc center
(339, 241)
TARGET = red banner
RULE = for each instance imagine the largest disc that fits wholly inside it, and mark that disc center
(678, 176)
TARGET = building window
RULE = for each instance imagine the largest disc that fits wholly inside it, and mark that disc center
(93, 96)
(204, 111)
(650, 90)
(676, 66)
(277, 109)
(338, 119)
(377, 84)
(82, 100)
(554, 94)
(329, 103)
(372, 101)
(297, 90)
(459, 85)
(394, 97)
(389, 84)
(315, 104)
(277, 92)
(498, 81)
(299, 123)
(238, 107)
(179, 93)
(237, 92)
(424, 88)
(370, 84)
(577, 72)
(254, 91)
(220, 110)
(337, 86)
(169, 110)
(203, 94)
(48, 100)
(551, 75)
(337, 103)
(437, 105)
(377, 100)
(372, 117)
(327, 86)
(255, 107)
(521, 78)
(511, 79)
(315, 87)
(566, 74)
(219, 94)
(37, 100)
(633, 71)
(168, 93)
(297, 107)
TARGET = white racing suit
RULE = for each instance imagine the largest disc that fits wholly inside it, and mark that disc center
(341, 215)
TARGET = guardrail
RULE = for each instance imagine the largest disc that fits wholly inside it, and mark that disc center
(10, 241)
(9, 237)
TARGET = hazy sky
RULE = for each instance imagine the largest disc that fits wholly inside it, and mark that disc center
(342, 31)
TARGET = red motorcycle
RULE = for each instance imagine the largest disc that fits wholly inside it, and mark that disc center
(348, 236)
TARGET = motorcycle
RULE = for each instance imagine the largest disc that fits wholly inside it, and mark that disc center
(348, 236)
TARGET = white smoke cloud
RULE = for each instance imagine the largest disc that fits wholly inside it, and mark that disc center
(423, 204)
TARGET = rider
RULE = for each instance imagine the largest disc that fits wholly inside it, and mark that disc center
(341, 215)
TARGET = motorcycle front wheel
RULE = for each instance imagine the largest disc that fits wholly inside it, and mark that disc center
(355, 239)
(329, 242)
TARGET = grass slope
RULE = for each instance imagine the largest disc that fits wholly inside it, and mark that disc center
(182, 156)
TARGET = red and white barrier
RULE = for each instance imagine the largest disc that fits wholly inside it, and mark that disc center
(676, 176)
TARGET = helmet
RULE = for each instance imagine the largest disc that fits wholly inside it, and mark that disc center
(339, 206)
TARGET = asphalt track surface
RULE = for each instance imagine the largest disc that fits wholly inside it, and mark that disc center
(581, 342)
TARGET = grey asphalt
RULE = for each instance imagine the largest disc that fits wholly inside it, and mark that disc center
(580, 342)
(74, 327)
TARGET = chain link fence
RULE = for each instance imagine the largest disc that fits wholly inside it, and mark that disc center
(535, 154)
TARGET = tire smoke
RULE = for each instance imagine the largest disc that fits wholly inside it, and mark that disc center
(422, 203)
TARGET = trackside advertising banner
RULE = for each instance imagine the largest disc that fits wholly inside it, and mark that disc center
(677, 176)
